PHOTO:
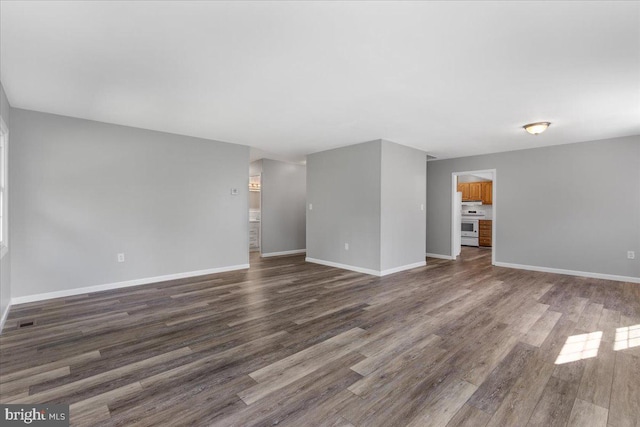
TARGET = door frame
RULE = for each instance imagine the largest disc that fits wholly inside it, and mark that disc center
(454, 189)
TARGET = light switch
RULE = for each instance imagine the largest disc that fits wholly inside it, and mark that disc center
(310, 206)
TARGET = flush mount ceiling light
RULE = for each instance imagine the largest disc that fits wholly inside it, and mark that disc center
(536, 128)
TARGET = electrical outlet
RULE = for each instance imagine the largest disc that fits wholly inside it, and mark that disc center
(120, 257)
(346, 246)
(631, 255)
(234, 191)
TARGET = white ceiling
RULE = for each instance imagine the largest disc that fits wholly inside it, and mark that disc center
(292, 78)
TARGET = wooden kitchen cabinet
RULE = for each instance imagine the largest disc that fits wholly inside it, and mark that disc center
(484, 242)
(464, 189)
(485, 235)
(475, 190)
(487, 193)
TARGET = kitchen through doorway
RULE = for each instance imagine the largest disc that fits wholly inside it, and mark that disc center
(473, 213)
(255, 213)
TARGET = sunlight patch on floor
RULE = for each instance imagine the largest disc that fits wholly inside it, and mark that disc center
(627, 337)
(578, 347)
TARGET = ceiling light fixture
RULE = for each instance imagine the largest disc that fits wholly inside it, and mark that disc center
(536, 128)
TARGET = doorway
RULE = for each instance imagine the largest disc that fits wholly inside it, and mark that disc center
(479, 190)
(255, 213)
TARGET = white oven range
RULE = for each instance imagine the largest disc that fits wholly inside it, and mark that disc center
(469, 227)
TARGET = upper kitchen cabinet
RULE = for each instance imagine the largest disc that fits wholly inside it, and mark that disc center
(487, 193)
(477, 191)
(464, 189)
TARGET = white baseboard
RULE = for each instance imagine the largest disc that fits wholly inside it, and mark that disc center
(449, 257)
(294, 252)
(366, 270)
(569, 272)
(343, 266)
(4, 317)
(402, 268)
(125, 284)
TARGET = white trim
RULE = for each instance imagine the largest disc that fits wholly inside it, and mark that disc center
(570, 272)
(4, 317)
(366, 270)
(452, 214)
(449, 257)
(343, 266)
(294, 252)
(494, 215)
(125, 284)
(403, 268)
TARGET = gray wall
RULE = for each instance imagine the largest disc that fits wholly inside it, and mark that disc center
(284, 189)
(344, 187)
(574, 206)
(403, 223)
(5, 263)
(83, 191)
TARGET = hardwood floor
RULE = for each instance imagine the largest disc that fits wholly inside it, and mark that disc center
(455, 343)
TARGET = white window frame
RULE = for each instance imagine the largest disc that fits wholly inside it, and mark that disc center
(4, 194)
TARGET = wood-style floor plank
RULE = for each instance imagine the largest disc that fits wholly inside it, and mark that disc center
(624, 409)
(587, 414)
(493, 390)
(454, 343)
(469, 416)
(518, 405)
